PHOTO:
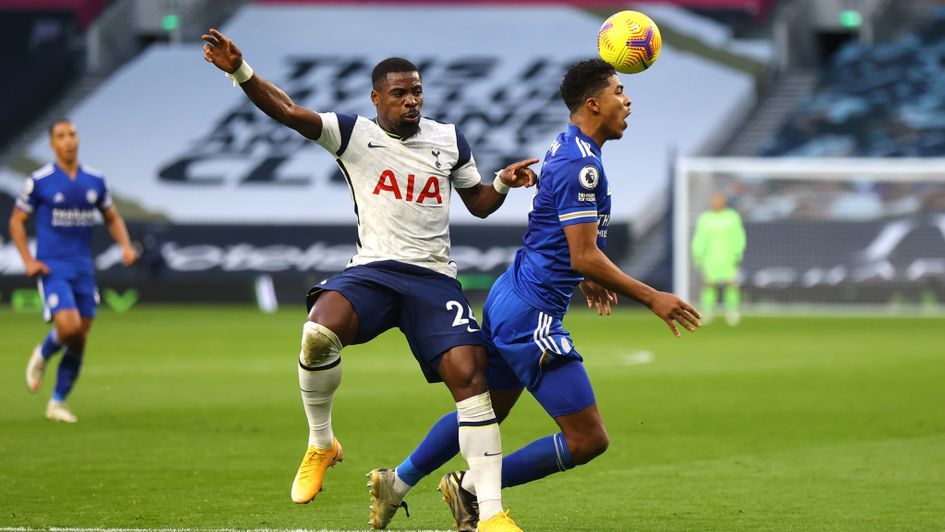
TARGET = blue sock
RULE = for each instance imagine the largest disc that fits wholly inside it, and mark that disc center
(438, 447)
(68, 372)
(51, 345)
(536, 460)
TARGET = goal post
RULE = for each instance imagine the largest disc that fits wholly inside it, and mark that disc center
(861, 235)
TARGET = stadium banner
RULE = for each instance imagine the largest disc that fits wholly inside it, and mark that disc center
(192, 149)
(890, 262)
(222, 263)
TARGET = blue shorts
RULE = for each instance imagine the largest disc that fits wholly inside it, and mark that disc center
(64, 290)
(428, 307)
(531, 349)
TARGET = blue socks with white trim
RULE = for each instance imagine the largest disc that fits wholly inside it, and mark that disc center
(536, 460)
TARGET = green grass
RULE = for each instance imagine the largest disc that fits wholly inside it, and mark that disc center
(190, 417)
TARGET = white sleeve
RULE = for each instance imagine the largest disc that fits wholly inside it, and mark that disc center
(27, 200)
(464, 174)
(330, 138)
(467, 175)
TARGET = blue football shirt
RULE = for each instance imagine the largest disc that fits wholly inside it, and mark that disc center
(572, 189)
(64, 210)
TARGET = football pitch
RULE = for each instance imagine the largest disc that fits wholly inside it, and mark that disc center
(189, 417)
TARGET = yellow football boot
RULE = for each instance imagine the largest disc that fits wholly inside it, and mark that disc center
(500, 522)
(308, 481)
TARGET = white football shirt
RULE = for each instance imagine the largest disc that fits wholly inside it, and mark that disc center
(401, 188)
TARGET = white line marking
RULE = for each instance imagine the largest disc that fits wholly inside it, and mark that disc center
(67, 529)
(638, 357)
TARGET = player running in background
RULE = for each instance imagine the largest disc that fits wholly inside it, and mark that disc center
(400, 168)
(63, 196)
(529, 347)
(717, 249)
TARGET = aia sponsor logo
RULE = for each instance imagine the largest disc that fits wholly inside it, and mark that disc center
(387, 183)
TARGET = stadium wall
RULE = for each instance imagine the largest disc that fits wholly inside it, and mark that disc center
(221, 263)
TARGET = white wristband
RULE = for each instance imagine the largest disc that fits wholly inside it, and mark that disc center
(242, 74)
(500, 185)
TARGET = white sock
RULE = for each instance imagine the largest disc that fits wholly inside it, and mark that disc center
(318, 390)
(481, 446)
(317, 385)
(400, 488)
(467, 484)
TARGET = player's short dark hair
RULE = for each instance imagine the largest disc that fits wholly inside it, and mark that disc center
(56, 122)
(391, 65)
(583, 80)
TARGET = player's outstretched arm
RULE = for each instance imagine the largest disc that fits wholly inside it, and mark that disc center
(588, 259)
(118, 230)
(270, 99)
(32, 266)
(483, 200)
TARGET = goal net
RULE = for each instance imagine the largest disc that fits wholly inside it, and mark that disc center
(852, 234)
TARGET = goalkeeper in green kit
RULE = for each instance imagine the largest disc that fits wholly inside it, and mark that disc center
(717, 249)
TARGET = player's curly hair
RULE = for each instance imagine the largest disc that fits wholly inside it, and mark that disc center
(390, 65)
(583, 80)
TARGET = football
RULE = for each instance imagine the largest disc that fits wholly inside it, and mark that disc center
(630, 41)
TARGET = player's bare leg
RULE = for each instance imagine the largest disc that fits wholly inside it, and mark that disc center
(585, 434)
(67, 324)
(71, 331)
(332, 324)
(463, 369)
